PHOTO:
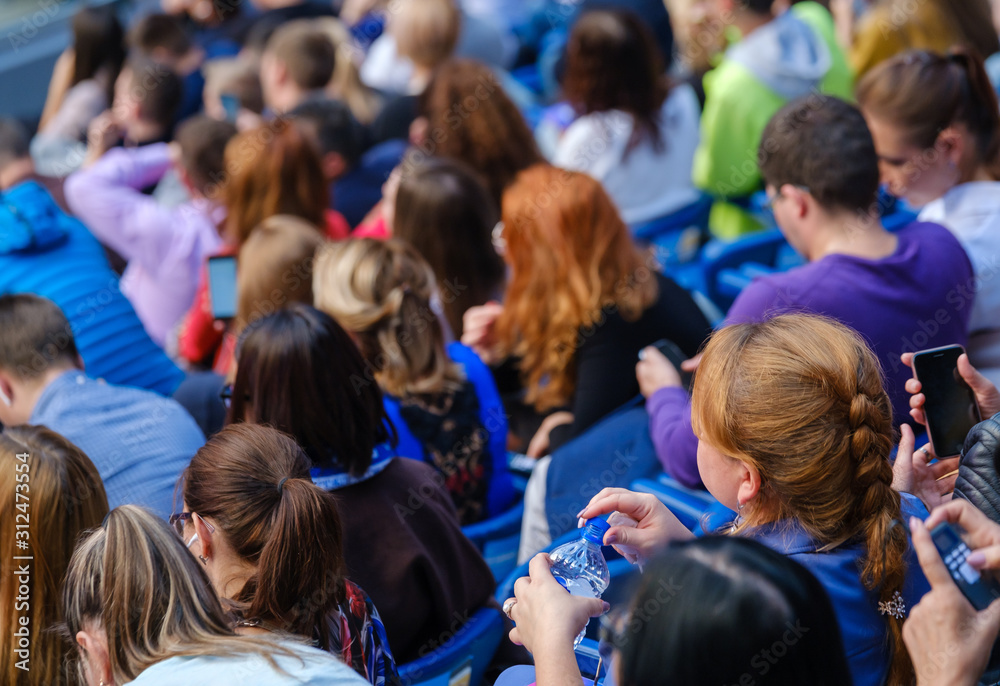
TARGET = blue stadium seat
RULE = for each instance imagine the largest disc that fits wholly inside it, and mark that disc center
(677, 237)
(498, 539)
(696, 509)
(722, 261)
(463, 658)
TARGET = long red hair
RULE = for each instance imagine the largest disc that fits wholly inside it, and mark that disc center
(572, 263)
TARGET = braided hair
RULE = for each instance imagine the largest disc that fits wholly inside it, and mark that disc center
(800, 399)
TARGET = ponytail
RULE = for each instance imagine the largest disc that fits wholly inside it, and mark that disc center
(922, 93)
(301, 571)
(253, 482)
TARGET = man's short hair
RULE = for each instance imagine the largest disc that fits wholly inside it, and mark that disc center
(159, 31)
(757, 6)
(822, 143)
(203, 143)
(13, 141)
(157, 89)
(34, 336)
(307, 53)
(335, 128)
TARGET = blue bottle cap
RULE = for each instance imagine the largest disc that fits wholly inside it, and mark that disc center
(595, 529)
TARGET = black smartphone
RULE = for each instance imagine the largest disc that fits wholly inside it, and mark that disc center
(222, 286)
(950, 404)
(980, 589)
(676, 356)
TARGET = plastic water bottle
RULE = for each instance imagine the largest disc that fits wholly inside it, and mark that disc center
(580, 567)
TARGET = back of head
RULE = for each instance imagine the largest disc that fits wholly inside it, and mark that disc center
(426, 31)
(98, 43)
(800, 399)
(160, 37)
(974, 20)
(570, 255)
(447, 214)
(471, 119)
(301, 373)
(822, 144)
(154, 88)
(253, 482)
(613, 63)
(233, 76)
(274, 169)
(922, 94)
(14, 142)
(773, 617)
(276, 267)
(35, 337)
(382, 292)
(306, 52)
(133, 577)
(334, 128)
(203, 143)
(66, 498)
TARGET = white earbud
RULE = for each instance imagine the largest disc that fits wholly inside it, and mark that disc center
(5, 399)
(193, 539)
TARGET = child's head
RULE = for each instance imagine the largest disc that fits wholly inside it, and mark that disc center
(383, 293)
(337, 134)
(161, 38)
(202, 141)
(794, 424)
(147, 93)
(426, 31)
(298, 58)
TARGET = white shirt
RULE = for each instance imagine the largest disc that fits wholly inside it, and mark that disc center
(645, 184)
(971, 211)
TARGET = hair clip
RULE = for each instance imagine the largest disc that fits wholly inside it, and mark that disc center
(895, 607)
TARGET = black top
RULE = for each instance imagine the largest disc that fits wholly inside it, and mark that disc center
(605, 362)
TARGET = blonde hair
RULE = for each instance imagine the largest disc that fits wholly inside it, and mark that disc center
(426, 31)
(275, 267)
(800, 399)
(134, 578)
(382, 292)
(346, 84)
(66, 498)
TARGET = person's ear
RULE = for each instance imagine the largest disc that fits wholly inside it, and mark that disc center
(334, 166)
(749, 483)
(204, 535)
(418, 131)
(185, 180)
(796, 199)
(951, 145)
(6, 390)
(94, 646)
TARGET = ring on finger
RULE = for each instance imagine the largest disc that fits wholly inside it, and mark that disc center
(508, 605)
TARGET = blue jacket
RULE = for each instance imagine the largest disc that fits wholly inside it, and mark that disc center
(491, 414)
(863, 628)
(48, 253)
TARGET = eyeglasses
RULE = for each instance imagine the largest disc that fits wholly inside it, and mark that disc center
(177, 521)
(226, 395)
(499, 242)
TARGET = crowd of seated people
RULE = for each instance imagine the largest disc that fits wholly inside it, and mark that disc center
(300, 297)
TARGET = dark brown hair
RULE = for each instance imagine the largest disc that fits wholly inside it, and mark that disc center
(306, 52)
(924, 93)
(300, 372)
(274, 169)
(446, 213)
(822, 143)
(613, 63)
(159, 31)
(34, 336)
(98, 42)
(156, 88)
(203, 143)
(470, 118)
(254, 483)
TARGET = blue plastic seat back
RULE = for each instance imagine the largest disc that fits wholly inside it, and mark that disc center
(677, 237)
(463, 658)
(696, 509)
(498, 539)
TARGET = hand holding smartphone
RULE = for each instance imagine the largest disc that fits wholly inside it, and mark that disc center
(950, 404)
(676, 356)
(980, 588)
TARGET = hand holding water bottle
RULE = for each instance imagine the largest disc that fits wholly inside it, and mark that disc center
(656, 525)
(548, 617)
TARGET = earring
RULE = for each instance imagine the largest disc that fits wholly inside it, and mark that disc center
(739, 517)
(204, 560)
